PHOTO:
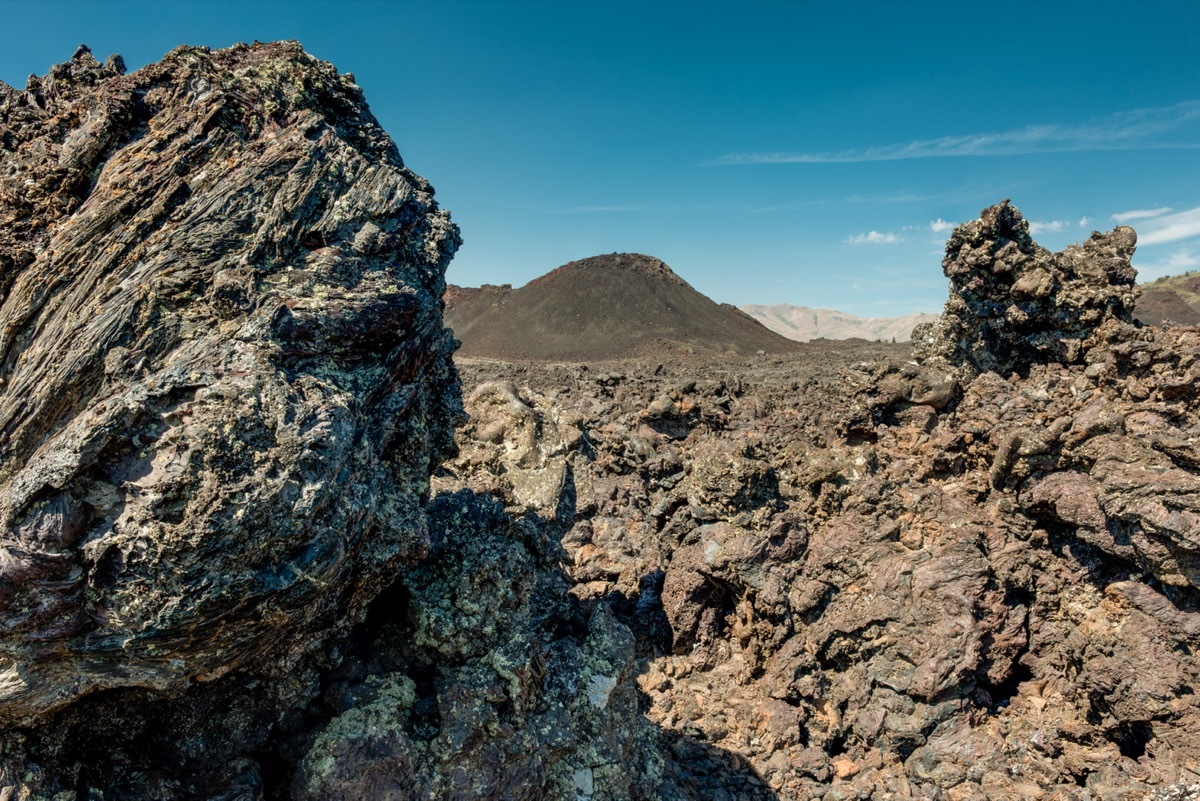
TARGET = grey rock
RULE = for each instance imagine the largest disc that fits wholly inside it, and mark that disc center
(219, 417)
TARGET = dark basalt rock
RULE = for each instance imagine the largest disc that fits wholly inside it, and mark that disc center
(226, 383)
(1013, 303)
(842, 574)
(225, 375)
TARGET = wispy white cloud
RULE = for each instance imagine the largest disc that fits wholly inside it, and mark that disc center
(1047, 227)
(1140, 214)
(1172, 127)
(874, 238)
(1170, 227)
(940, 226)
(1084, 220)
(1182, 259)
(1179, 261)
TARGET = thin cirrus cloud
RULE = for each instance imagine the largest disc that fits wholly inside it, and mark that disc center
(1148, 128)
(1181, 260)
(874, 238)
(1140, 214)
(1166, 228)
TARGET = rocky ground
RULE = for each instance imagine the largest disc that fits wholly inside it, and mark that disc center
(848, 583)
(855, 575)
(241, 560)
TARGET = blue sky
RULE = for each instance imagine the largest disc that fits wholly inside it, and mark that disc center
(807, 153)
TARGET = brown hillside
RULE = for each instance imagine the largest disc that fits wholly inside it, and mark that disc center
(465, 303)
(604, 307)
(1175, 298)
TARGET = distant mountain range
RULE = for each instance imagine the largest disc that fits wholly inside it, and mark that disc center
(605, 307)
(802, 323)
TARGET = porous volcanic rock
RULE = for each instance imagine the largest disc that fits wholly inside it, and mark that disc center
(225, 375)
(226, 384)
(1013, 303)
(834, 572)
(491, 683)
(971, 575)
(604, 307)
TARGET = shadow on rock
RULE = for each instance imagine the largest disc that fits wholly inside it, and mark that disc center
(701, 770)
(487, 679)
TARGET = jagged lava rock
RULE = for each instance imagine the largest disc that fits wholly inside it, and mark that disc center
(975, 575)
(493, 685)
(225, 375)
(1013, 303)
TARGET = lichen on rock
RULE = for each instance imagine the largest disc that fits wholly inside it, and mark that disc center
(225, 375)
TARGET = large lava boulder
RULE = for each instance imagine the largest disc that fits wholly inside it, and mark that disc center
(224, 378)
(1014, 303)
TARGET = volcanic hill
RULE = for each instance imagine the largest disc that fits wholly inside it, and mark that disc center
(1175, 298)
(605, 307)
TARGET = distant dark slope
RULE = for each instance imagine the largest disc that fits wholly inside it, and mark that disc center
(466, 304)
(1176, 298)
(605, 307)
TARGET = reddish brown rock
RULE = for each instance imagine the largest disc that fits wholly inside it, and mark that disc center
(906, 580)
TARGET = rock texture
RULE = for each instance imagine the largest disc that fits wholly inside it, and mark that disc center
(491, 684)
(225, 378)
(225, 385)
(1013, 303)
(803, 323)
(886, 578)
(833, 573)
(606, 307)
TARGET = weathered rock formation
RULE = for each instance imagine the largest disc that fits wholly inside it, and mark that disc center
(1013, 303)
(225, 385)
(490, 683)
(970, 577)
(836, 573)
(225, 377)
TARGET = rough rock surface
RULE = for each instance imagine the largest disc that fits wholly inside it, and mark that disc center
(492, 684)
(1013, 303)
(225, 377)
(225, 384)
(969, 577)
(836, 574)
